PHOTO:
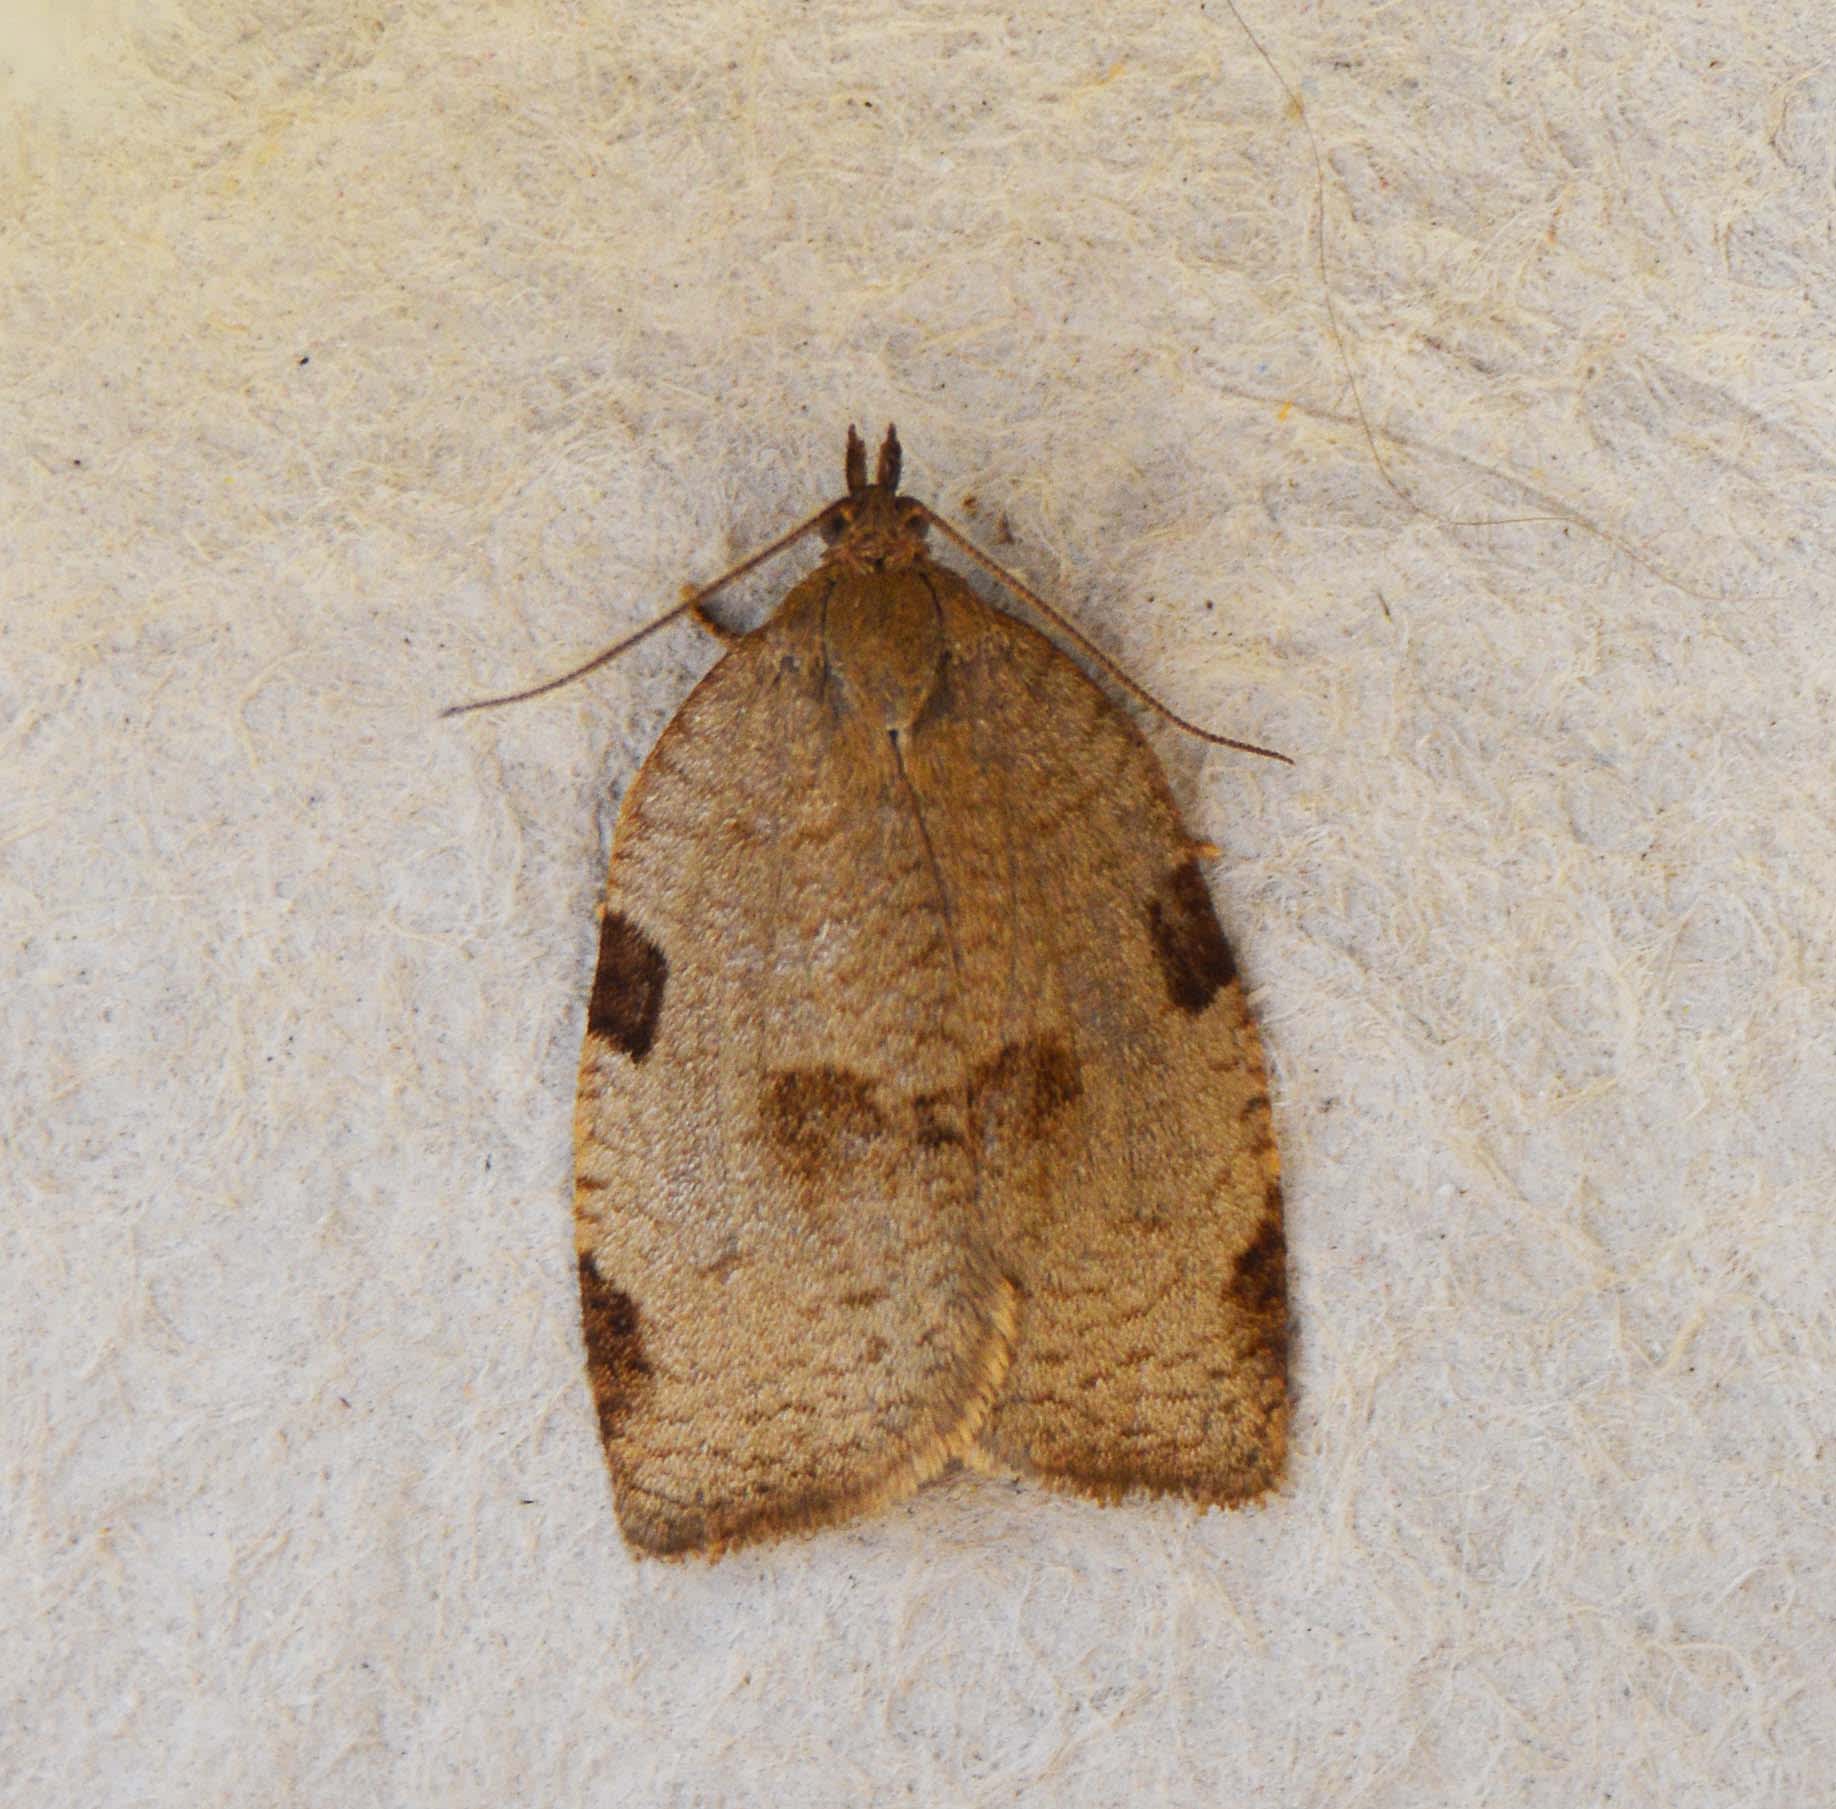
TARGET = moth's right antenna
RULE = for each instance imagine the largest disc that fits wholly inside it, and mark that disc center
(1027, 594)
(691, 604)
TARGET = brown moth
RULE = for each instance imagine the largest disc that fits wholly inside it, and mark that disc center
(921, 1117)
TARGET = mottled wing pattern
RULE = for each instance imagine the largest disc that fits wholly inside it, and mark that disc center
(790, 1314)
(1115, 1091)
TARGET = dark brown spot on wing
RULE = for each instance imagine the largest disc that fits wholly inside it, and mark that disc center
(817, 1119)
(1026, 1086)
(1194, 958)
(1259, 1282)
(938, 1119)
(1260, 1279)
(627, 987)
(617, 1369)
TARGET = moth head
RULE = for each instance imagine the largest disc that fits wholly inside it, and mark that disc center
(904, 516)
(874, 515)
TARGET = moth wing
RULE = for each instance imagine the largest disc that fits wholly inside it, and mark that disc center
(1117, 1097)
(788, 1316)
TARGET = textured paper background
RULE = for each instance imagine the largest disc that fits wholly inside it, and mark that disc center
(361, 358)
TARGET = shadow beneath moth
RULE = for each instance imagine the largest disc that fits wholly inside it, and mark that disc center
(921, 1118)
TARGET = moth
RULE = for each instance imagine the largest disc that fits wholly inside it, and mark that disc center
(921, 1118)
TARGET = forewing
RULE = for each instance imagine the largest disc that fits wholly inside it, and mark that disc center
(1116, 1096)
(788, 1315)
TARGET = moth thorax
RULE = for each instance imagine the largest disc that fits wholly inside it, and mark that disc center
(884, 643)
